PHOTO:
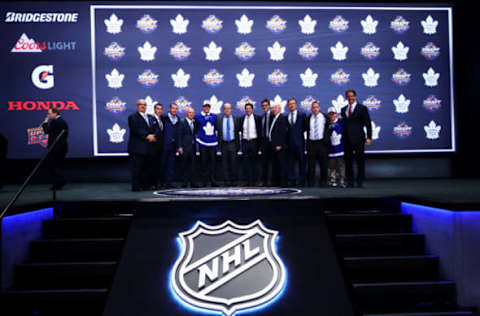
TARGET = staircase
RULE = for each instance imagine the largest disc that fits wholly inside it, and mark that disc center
(386, 266)
(70, 270)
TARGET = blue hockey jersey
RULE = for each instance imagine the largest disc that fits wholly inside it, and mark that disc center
(206, 135)
(335, 148)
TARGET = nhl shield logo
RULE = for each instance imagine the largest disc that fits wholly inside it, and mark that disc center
(228, 268)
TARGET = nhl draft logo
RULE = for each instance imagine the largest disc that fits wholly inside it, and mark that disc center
(400, 25)
(182, 104)
(402, 130)
(37, 136)
(430, 51)
(308, 51)
(228, 268)
(432, 103)
(213, 78)
(180, 51)
(340, 77)
(276, 24)
(370, 51)
(147, 78)
(277, 78)
(212, 24)
(146, 24)
(115, 105)
(245, 51)
(114, 51)
(372, 103)
(244, 100)
(338, 24)
(401, 77)
(306, 104)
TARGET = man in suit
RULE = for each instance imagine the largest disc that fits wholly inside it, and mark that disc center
(277, 137)
(317, 144)
(141, 145)
(296, 144)
(228, 143)
(251, 127)
(170, 145)
(355, 118)
(155, 175)
(53, 125)
(187, 130)
(265, 146)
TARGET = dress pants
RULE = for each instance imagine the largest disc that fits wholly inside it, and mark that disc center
(249, 150)
(354, 152)
(229, 156)
(279, 167)
(54, 163)
(266, 158)
(188, 167)
(207, 158)
(296, 155)
(168, 163)
(141, 168)
(317, 152)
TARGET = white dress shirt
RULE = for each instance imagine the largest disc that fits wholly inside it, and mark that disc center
(249, 128)
(320, 121)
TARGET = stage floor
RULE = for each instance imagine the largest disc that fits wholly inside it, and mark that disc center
(457, 193)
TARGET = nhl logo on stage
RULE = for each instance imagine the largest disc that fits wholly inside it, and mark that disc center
(228, 268)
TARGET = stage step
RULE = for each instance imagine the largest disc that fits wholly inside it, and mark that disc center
(391, 268)
(87, 227)
(435, 310)
(391, 244)
(64, 275)
(76, 249)
(369, 223)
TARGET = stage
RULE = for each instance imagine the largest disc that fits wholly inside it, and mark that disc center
(449, 193)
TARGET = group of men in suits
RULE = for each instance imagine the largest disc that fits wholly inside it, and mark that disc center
(275, 149)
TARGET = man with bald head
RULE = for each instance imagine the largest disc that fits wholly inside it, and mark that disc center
(186, 146)
(228, 143)
(144, 131)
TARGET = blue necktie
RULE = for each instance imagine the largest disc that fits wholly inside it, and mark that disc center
(228, 129)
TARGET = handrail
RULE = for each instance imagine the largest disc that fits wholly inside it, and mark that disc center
(30, 176)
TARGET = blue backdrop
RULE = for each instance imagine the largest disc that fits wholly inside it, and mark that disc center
(398, 59)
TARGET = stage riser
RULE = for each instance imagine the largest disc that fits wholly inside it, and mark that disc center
(370, 223)
(89, 227)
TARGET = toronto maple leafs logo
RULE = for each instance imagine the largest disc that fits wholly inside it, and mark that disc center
(369, 25)
(147, 78)
(432, 130)
(212, 24)
(113, 24)
(370, 78)
(115, 105)
(277, 78)
(340, 77)
(339, 103)
(400, 25)
(147, 24)
(115, 79)
(147, 51)
(431, 77)
(307, 25)
(335, 139)
(213, 78)
(432, 103)
(430, 51)
(245, 51)
(429, 25)
(339, 52)
(338, 24)
(218, 267)
(401, 77)
(212, 51)
(245, 78)
(179, 25)
(375, 131)
(209, 129)
(116, 133)
(215, 103)
(372, 103)
(180, 79)
(244, 25)
(114, 51)
(276, 24)
(402, 130)
(309, 78)
(277, 100)
(180, 51)
(150, 104)
(370, 51)
(276, 51)
(400, 51)
(401, 104)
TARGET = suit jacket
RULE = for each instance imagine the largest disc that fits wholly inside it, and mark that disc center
(53, 129)
(219, 128)
(269, 117)
(159, 136)
(139, 130)
(170, 130)
(279, 131)
(185, 136)
(353, 126)
(325, 127)
(258, 126)
(296, 139)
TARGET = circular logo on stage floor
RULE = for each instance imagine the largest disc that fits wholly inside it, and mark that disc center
(227, 192)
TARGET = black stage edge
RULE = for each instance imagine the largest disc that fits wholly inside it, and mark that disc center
(315, 283)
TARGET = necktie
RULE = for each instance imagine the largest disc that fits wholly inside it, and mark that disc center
(349, 110)
(145, 117)
(315, 128)
(228, 129)
(160, 124)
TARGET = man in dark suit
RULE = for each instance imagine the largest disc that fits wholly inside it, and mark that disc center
(187, 130)
(296, 144)
(155, 175)
(170, 145)
(277, 136)
(251, 127)
(53, 125)
(141, 145)
(228, 143)
(317, 144)
(265, 145)
(355, 118)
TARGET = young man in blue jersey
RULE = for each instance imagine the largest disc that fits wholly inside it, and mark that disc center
(207, 140)
(336, 163)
